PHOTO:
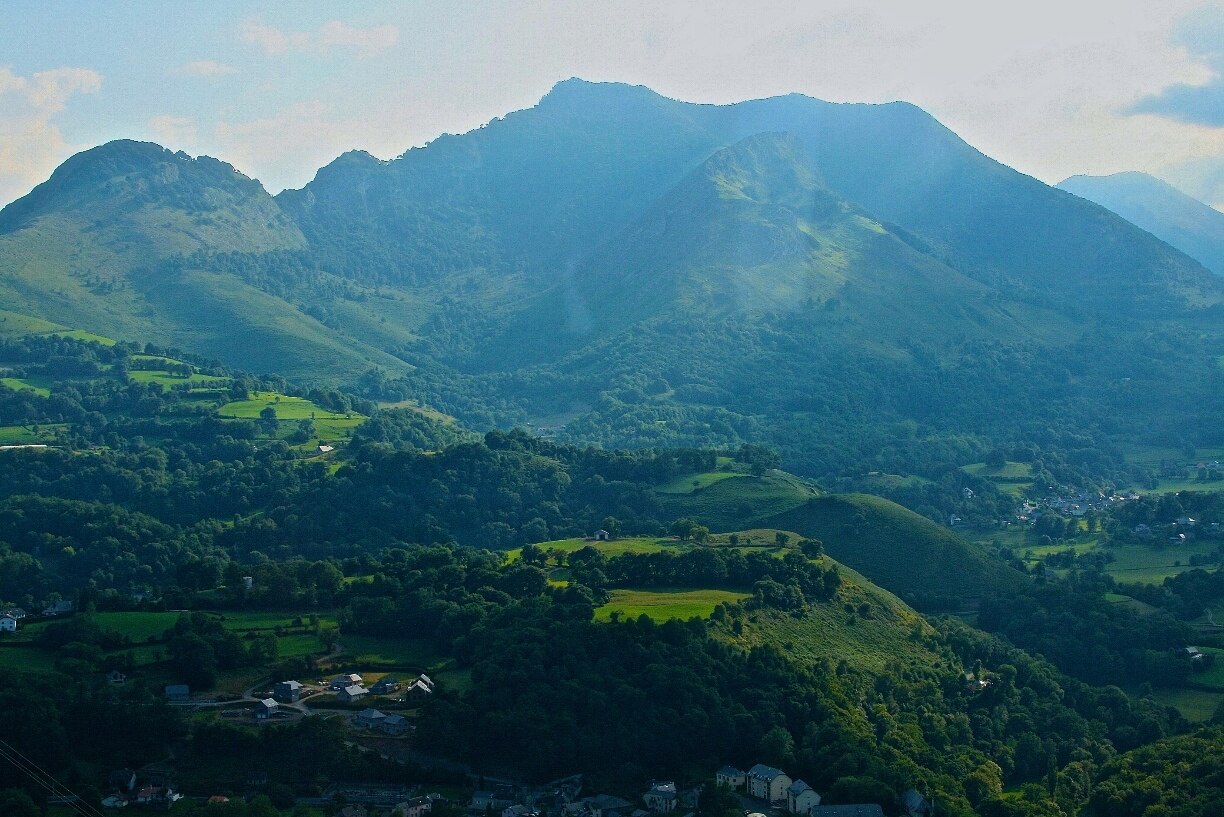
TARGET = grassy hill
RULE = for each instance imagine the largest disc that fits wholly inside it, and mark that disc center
(726, 501)
(866, 626)
(897, 549)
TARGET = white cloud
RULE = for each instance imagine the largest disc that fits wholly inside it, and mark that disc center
(31, 144)
(284, 149)
(207, 69)
(175, 132)
(272, 40)
(365, 42)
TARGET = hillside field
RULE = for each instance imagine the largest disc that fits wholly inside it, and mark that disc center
(662, 605)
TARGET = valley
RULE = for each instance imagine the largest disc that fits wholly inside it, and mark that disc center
(612, 443)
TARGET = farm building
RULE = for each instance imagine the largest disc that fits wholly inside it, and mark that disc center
(354, 692)
(287, 691)
(394, 725)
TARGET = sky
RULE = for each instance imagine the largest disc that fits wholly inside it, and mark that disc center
(279, 89)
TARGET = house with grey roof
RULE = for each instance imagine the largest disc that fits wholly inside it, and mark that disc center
(288, 692)
(730, 777)
(767, 783)
(915, 805)
(662, 796)
(801, 798)
(369, 718)
(352, 693)
(394, 725)
(266, 708)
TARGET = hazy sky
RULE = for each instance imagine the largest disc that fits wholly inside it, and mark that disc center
(279, 89)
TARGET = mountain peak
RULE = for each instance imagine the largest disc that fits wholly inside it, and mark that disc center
(126, 171)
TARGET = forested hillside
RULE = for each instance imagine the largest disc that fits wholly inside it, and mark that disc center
(849, 284)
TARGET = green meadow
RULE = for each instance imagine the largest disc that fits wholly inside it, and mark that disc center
(689, 483)
(662, 605)
(17, 384)
(329, 425)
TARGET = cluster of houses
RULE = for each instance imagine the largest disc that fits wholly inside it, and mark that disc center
(777, 789)
(761, 782)
(124, 790)
(10, 617)
(349, 688)
(374, 720)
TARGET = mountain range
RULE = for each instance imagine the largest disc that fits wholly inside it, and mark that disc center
(853, 284)
(1160, 208)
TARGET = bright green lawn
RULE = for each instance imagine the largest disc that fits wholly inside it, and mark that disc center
(168, 380)
(661, 605)
(16, 384)
(329, 425)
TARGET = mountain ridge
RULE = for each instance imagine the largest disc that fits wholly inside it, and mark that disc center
(1154, 205)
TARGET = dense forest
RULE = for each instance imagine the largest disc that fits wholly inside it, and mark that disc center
(150, 501)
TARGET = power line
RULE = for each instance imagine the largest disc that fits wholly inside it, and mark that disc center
(47, 781)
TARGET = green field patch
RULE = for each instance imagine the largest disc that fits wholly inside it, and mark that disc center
(17, 384)
(662, 605)
(879, 479)
(405, 653)
(1147, 564)
(30, 435)
(1009, 471)
(1140, 607)
(138, 626)
(1213, 676)
(729, 503)
(168, 380)
(81, 334)
(329, 425)
(611, 547)
(14, 324)
(689, 483)
(268, 620)
(1197, 705)
(417, 408)
(26, 657)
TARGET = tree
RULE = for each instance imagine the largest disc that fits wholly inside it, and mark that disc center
(777, 747)
(16, 803)
(267, 420)
(782, 539)
(984, 783)
(612, 525)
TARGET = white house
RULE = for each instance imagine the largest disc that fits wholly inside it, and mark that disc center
(266, 708)
(801, 798)
(662, 796)
(767, 783)
(8, 624)
(730, 777)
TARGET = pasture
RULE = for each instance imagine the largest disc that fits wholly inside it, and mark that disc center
(612, 547)
(329, 425)
(1197, 705)
(665, 604)
(17, 384)
(689, 483)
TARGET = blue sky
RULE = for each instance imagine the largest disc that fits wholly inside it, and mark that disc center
(279, 89)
